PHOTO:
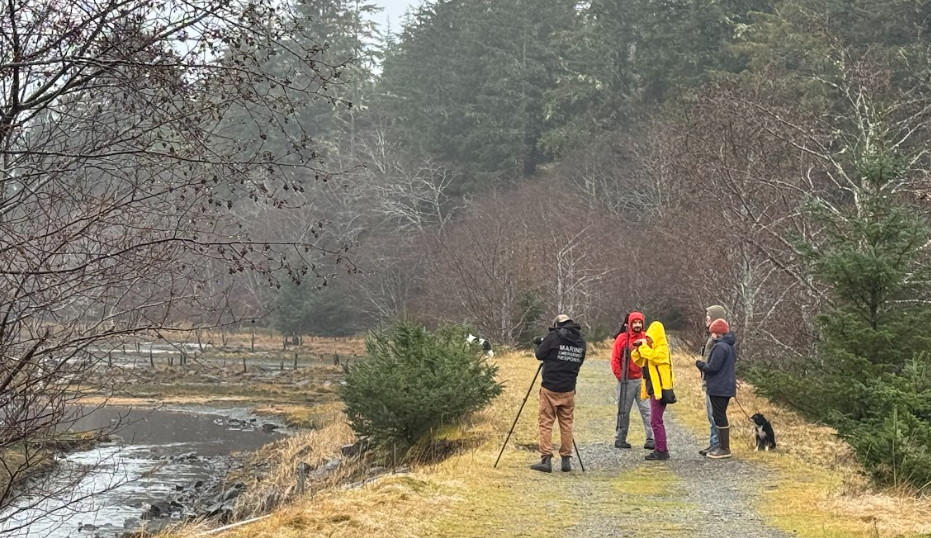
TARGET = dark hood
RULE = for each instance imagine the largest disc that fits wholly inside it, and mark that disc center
(571, 332)
(729, 339)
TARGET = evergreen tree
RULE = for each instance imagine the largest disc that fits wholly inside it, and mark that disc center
(465, 83)
(346, 40)
(350, 38)
(414, 382)
(307, 310)
(624, 57)
(798, 43)
(870, 378)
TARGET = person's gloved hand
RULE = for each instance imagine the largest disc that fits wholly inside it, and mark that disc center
(700, 365)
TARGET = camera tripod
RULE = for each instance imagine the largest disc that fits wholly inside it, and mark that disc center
(519, 411)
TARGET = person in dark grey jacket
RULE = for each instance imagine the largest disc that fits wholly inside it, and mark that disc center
(712, 313)
(721, 377)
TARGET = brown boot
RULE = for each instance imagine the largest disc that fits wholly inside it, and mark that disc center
(724, 449)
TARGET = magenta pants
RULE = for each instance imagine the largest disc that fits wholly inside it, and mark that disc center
(656, 422)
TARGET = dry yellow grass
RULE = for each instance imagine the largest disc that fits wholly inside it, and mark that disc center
(822, 490)
(463, 496)
(303, 416)
(392, 507)
(283, 457)
(13, 462)
(268, 340)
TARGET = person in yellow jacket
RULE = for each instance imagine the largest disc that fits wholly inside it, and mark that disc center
(657, 384)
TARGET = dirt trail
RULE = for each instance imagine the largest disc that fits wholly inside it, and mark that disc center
(688, 495)
(621, 494)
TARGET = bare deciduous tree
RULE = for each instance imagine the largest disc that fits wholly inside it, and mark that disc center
(130, 130)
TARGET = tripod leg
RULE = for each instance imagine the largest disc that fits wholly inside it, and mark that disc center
(622, 392)
(623, 415)
(519, 411)
(577, 455)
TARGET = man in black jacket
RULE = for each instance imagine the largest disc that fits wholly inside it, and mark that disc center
(562, 353)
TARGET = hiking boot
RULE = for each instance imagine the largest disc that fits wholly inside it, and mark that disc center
(566, 464)
(719, 454)
(621, 444)
(657, 456)
(705, 451)
(649, 445)
(724, 449)
(545, 465)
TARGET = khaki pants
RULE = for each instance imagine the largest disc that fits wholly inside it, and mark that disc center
(555, 405)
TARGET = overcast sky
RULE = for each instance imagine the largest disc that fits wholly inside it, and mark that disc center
(393, 10)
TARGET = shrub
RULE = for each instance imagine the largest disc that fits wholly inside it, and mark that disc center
(414, 381)
(895, 450)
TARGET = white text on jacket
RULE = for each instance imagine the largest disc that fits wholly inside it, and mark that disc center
(570, 353)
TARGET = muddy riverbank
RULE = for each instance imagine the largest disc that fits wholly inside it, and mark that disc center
(164, 466)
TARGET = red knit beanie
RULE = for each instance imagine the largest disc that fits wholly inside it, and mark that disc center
(718, 326)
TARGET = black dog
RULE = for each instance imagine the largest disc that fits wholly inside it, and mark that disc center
(765, 436)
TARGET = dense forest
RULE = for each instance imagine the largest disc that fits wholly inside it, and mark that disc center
(495, 163)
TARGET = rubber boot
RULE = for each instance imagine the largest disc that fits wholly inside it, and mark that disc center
(545, 465)
(566, 464)
(724, 448)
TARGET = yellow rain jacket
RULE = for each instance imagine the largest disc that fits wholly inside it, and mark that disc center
(656, 361)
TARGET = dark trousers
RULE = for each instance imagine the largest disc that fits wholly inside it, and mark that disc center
(719, 410)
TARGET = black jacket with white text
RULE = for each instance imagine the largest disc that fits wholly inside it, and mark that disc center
(562, 353)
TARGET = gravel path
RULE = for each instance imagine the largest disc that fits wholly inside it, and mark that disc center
(621, 494)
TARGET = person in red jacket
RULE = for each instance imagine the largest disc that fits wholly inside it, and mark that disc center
(628, 376)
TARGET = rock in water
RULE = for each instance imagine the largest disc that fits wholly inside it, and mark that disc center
(159, 509)
(223, 511)
(233, 492)
(269, 428)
